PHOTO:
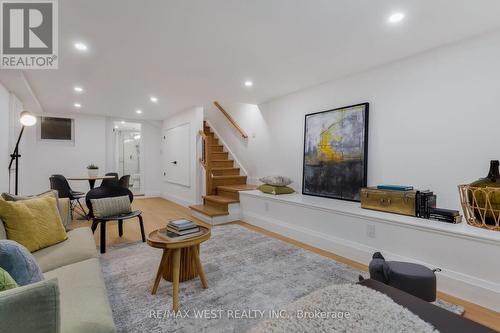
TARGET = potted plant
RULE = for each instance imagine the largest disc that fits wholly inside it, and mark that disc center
(93, 170)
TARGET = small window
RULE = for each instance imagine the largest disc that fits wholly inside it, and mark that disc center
(58, 129)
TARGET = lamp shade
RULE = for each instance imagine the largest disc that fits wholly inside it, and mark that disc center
(27, 119)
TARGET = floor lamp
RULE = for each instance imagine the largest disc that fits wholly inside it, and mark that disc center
(26, 119)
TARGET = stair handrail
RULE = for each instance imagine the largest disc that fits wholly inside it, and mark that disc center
(231, 120)
(205, 161)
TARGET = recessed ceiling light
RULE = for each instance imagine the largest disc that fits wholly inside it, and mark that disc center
(396, 17)
(137, 137)
(80, 46)
(77, 105)
(116, 127)
(248, 83)
(138, 111)
(123, 122)
(78, 89)
(153, 99)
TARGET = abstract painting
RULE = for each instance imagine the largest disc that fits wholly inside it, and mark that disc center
(336, 152)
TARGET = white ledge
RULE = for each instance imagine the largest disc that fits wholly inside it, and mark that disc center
(353, 209)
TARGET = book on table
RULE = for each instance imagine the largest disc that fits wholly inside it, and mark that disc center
(181, 229)
(169, 235)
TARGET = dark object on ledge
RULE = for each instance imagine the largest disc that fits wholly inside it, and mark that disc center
(414, 279)
(445, 215)
(425, 201)
(492, 180)
(444, 321)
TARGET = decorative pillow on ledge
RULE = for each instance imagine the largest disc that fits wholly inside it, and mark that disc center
(62, 204)
(33, 223)
(276, 180)
(108, 207)
(276, 189)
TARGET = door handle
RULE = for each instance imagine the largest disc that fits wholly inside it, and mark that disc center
(174, 162)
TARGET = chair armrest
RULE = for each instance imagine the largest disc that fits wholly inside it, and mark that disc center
(31, 308)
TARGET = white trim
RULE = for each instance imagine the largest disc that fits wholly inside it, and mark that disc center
(178, 200)
(233, 156)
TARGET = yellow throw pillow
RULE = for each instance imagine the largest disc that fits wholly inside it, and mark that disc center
(34, 223)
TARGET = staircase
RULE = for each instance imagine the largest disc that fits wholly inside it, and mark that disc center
(223, 182)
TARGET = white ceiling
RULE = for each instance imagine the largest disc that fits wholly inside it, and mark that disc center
(191, 52)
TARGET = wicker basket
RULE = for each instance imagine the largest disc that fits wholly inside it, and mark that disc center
(479, 207)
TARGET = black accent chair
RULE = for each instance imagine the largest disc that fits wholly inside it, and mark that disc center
(109, 192)
(124, 181)
(61, 185)
(112, 182)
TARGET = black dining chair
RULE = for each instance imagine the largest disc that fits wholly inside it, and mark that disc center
(110, 192)
(111, 182)
(124, 181)
(61, 185)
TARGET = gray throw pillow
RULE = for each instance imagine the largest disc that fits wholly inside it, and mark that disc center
(108, 207)
(19, 262)
(276, 180)
(62, 205)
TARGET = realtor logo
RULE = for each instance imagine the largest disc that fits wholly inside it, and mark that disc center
(29, 34)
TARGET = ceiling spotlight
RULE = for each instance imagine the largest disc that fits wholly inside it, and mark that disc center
(122, 122)
(248, 83)
(77, 105)
(138, 111)
(396, 17)
(116, 127)
(137, 137)
(80, 46)
(153, 99)
(78, 89)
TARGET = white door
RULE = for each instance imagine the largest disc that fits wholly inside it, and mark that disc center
(176, 152)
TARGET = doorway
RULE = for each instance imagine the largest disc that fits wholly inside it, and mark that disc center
(128, 153)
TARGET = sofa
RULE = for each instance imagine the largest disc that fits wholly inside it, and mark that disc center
(71, 299)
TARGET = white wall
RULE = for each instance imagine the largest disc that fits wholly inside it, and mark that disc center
(41, 159)
(433, 120)
(186, 195)
(4, 138)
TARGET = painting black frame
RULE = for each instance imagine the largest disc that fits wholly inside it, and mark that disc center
(365, 165)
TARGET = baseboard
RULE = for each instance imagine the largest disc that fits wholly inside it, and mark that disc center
(177, 200)
(457, 284)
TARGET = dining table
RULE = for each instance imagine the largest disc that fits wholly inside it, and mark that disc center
(91, 180)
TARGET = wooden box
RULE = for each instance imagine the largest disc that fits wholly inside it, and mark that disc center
(398, 202)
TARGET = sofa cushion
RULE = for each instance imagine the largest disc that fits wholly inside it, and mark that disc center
(19, 262)
(3, 233)
(34, 223)
(31, 308)
(63, 204)
(79, 246)
(83, 298)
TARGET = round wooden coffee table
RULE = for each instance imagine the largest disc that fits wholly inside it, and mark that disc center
(180, 260)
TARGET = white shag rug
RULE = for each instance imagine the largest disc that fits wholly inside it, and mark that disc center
(345, 308)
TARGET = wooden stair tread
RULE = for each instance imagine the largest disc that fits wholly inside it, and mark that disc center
(222, 160)
(220, 199)
(224, 168)
(236, 188)
(229, 177)
(209, 210)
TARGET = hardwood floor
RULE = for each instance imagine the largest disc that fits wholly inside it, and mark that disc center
(157, 211)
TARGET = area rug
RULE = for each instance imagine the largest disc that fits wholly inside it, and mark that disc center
(250, 277)
(345, 308)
